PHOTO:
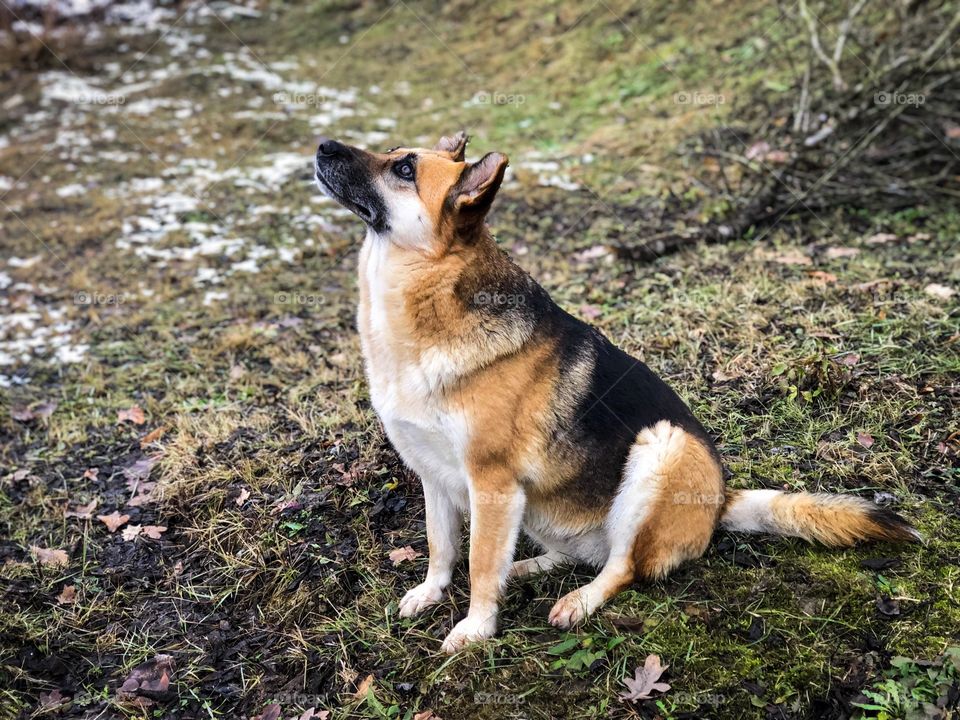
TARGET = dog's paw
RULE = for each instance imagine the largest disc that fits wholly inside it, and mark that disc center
(467, 631)
(569, 610)
(419, 599)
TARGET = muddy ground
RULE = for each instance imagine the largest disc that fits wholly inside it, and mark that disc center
(178, 356)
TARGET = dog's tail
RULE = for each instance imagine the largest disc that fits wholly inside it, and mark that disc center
(836, 520)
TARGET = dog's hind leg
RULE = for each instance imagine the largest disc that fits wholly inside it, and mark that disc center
(537, 565)
(663, 513)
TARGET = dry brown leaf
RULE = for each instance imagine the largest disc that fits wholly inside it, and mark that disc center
(363, 688)
(84, 512)
(91, 473)
(68, 595)
(880, 239)
(21, 413)
(242, 497)
(113, 521)
(132, 414)
(850, 359)
(822, 277)
(154, 531)
(131, 531)
(645, 680)
(151, 679)
(835, 253)
(792, 257)
(152, 436)
(426, 715)
(939, 291)
(49, 557)
(865, 440)
(44, 410)
(52, 700)
(402, 554)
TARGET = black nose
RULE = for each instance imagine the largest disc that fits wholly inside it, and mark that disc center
(329, 148)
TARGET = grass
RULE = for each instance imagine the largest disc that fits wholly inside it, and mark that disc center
(280, 494)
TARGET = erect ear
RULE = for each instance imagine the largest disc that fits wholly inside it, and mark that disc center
(454, 145)
(479, 183)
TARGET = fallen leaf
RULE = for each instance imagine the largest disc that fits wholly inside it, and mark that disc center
(792, 257)
(401, 554)
(131, 531)
(865, 440)
(426, 715)
(242, 497)
(645, 680)
(139, 470)
(49, 557)
(721, 376)
(152, 436)
(822, 277)
(52, 700)
(835, 253)
(91, 473)
(83, 512)
(237, 372)
(870, 284)
(151, 679)
(952, 132)
(113, 521)
(941, 292)
(349, 477)
(21, 414)
(132, 414)
(850, 359)
(880, 239)
(44, 410)
(144, 495)
(270, 712)
(68, 595)
(154, 531)
(363, 688)
(888, 606)
(21, 474)
(777, 156)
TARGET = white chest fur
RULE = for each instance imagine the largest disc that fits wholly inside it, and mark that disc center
(429, 434)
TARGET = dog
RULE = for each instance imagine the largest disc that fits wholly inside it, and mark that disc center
(521, 416)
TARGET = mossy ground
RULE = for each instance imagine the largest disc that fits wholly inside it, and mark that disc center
(280, 494)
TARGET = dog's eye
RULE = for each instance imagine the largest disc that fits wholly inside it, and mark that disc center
(404, 169)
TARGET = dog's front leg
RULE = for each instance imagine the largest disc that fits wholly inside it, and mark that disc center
(496, 513)
(443, 539)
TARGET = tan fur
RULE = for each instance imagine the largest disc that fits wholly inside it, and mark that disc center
(685, 512)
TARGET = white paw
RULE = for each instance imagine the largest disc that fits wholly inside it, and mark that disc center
(468, 630)
(569, 610)
(419, 599)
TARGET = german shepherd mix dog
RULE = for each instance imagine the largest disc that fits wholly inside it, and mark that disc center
(522, 416)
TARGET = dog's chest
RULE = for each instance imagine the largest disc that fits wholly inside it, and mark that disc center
(429, 434)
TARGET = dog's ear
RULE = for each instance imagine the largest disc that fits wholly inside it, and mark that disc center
(454, 145)
(478, 184)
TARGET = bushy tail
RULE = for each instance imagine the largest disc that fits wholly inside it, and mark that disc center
(836, 520)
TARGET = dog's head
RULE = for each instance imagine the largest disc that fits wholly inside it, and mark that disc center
(418, 198)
